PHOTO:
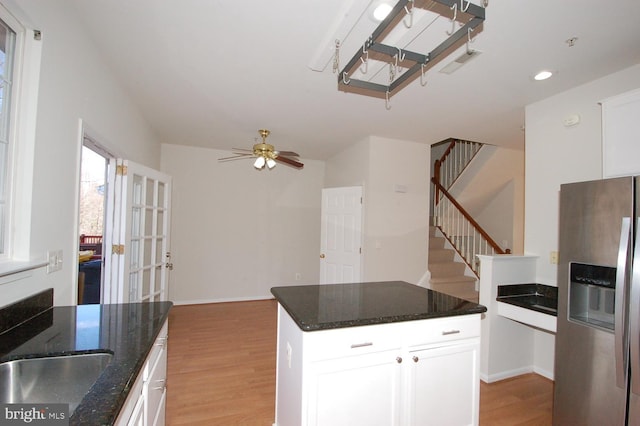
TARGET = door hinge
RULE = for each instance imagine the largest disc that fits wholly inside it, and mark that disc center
(121, 170)
(360, 250)
(360, 200)
(117, 249)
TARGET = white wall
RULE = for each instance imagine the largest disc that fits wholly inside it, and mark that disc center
(395, 224)
(75, 84)
(556, 154)
(236, 231)
(397, 228)
(492, 190)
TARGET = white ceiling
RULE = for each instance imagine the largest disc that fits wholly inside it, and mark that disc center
(210, 73)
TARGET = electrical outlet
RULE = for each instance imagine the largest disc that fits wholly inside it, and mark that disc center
(553, 257)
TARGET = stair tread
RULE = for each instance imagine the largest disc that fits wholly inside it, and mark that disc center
(452, 279)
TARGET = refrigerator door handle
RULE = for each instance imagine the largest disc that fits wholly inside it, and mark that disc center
(634, 320)
(621, 341)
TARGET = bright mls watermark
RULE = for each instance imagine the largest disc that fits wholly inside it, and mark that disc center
(34, 414)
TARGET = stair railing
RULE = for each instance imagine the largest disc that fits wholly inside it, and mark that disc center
(463, 232)
(455, 159)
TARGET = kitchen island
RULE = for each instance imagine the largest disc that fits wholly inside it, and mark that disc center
(384, 353)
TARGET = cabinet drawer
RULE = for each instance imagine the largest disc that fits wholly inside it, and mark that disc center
(327, 344)
(157, 386)
(158, 346)
(436, 330)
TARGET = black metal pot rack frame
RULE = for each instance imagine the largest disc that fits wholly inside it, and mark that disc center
(469, 15)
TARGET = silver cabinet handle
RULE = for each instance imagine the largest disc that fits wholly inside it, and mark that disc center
(415, 359)
(446, 333)
(361, 345)
(399, 360)
(163, 385)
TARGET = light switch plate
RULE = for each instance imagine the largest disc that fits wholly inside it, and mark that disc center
(54, 261)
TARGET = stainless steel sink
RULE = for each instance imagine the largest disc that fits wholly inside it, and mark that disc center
(60, 379)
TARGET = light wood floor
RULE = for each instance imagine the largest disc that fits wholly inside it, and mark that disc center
(221, 371)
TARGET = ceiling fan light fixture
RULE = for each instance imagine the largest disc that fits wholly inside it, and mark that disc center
(266, 155)
(259, 164)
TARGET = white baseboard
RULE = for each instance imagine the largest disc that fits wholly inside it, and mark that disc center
(543, 372)
(424, 281)
(506, 374)
(222, 300)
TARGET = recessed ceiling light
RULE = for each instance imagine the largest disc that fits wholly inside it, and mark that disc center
(542, 75)
(381, 11)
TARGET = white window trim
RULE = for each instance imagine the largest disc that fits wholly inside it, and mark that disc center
(18, 256)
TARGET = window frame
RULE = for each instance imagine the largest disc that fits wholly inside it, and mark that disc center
(17, 255)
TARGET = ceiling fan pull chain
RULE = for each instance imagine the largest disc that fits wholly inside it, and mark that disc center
(336, 57)
(387, 103)
(423, 81)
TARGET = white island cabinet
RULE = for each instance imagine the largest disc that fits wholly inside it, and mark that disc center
(407, 372)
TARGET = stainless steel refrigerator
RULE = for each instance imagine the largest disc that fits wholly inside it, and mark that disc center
(597, 354)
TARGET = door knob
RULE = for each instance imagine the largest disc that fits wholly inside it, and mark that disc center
(322, 256)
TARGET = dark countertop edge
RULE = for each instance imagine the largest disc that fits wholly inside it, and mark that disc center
(384, 320)
(86, 413)
(521, 295)
(528, 289)
(465, 307)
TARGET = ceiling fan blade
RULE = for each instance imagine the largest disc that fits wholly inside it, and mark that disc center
(287, 153)
(289, 162)
(236, 157)
(243, 150)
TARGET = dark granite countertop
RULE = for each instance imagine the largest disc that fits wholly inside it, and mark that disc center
(323, 307)
(128, 331)
(537, 297)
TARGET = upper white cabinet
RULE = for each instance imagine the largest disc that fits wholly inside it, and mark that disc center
(621, 135)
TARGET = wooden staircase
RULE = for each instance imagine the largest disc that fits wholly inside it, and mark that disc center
(447, 274)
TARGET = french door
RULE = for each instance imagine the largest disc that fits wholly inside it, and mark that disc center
(137, 258)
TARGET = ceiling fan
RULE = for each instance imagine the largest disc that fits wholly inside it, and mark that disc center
(265, 154)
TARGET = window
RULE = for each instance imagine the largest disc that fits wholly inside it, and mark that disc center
(20, 54)
(7, 50)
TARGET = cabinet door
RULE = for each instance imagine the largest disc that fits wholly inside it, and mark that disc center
(156, 389)
(444, 385)
(355, 390)
(137, 416)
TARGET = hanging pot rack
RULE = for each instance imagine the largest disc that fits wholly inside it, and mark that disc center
(470, 16)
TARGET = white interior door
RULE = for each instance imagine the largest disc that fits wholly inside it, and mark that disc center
(341, 235)
(138, 260)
